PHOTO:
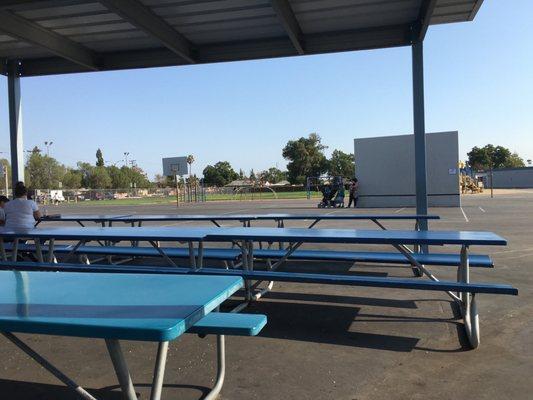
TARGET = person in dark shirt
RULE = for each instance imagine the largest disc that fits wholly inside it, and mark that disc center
(354, 186)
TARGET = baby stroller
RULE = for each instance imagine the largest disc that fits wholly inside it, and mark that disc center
(327, 196)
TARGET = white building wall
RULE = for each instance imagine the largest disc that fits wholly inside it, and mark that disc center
(385, 169)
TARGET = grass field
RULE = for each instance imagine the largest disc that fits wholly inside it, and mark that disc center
(210, 197)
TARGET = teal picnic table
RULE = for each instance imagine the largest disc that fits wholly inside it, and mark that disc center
(113, 307)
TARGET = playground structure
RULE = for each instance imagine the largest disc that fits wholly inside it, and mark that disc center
(252, 192)
(191, 192)
(470, 184)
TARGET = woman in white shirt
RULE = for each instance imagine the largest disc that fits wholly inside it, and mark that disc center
(21, 213)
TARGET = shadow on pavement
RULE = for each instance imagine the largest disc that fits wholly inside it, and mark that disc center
(21, 390)
(328, 324)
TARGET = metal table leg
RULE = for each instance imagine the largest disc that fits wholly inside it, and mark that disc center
(3, 250)
(121, 369)
(156, 245)
(221, 369)
(159, 372)
(38, 250)
(51, 257)
(468, 303)
(14, 251)
(48, 366)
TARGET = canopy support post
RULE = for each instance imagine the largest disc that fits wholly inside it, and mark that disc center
(15, 124)
(419, 132)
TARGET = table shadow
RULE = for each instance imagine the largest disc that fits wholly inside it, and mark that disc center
(21, 390)
(326, 324)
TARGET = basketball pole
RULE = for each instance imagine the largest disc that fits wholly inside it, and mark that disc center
(177, 190)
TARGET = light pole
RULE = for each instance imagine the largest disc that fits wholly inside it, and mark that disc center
(48, 144)
(126, 154)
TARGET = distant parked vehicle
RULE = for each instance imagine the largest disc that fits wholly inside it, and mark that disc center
(56, 196)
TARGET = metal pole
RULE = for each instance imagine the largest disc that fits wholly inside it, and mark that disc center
(419, 132)
(15, 123)
(48, 366)
(121, 369)
(491, 184)
(177, 191)
(159, 371)
(6, 175)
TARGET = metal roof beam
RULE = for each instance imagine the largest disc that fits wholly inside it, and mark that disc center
(143, 18)
(363, 39)
(420, 27)
(27, 31)
(290, 24)
(475, 9)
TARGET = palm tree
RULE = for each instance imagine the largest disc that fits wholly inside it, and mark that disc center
(190, 160)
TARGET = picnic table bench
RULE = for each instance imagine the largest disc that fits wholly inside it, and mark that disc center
(116, 306)
(295, 237)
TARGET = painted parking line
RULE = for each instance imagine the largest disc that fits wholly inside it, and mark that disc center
(464, 215)
(481, 209)
(399, 210)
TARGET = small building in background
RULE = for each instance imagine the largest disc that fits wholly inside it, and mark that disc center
(508, 178)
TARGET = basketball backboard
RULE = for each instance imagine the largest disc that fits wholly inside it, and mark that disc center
(175, 166)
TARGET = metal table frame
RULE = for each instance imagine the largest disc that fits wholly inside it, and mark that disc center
(40, 237)
(466, 301)
(121, 368)
(120, 365)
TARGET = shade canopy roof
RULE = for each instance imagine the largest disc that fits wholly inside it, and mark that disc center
(45, 37)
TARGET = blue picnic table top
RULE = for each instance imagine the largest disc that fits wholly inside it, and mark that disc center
(115, 233)
(109, 305)
(230, 217)
(357, 236)
(226, 234)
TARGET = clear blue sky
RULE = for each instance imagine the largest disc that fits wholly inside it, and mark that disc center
(478, 76)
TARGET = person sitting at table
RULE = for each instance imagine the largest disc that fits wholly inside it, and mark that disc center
(3, 201)
(21, 213)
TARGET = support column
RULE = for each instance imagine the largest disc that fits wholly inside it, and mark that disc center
(419, 132)
(15, 124)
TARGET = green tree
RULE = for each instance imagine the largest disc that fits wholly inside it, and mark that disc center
(119, 180)
(190, 160)
(86, 170)
(99, 158)
(42, 171)
(72, 179)
(99, 178)
(136, 176)
(273, 175)
(306, 158)
(160, 181)
(253, 177)
(491, 157)
(341, 164)
(515, 161)
(219, 174)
